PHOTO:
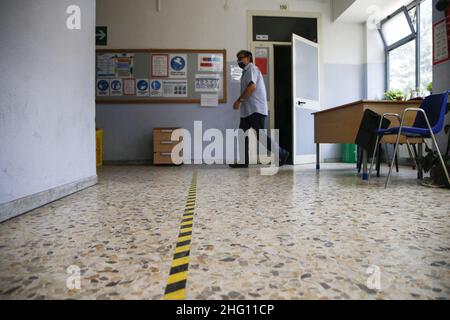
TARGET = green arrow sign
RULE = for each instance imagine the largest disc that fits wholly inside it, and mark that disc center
(101, 36)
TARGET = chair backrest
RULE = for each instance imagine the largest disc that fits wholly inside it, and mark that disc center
(434, 106)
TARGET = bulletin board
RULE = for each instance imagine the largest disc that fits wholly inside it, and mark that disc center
(160, 75)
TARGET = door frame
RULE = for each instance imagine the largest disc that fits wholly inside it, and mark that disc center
(255, 44)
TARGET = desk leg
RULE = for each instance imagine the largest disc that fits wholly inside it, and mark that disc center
(317, 156)
(365, 175)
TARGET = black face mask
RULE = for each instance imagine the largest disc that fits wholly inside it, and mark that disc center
(241, 64)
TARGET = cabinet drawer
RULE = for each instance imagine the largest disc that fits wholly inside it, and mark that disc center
(163, 134)
(163, 145)
(162, 158)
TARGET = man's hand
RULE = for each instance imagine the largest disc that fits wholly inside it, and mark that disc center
(236, 105)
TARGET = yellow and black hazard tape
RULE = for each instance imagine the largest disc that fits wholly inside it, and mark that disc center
(176, 283)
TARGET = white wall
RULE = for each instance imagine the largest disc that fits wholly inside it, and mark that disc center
(47, 108)
(205, 24)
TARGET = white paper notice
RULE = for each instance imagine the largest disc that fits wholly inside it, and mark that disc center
(210, 62)
(160, 65)
(207, 82)
(440, 45)
(129, 87)
(175, 88)
(209, 100)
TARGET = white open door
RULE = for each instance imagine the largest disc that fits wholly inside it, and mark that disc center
(306, 97)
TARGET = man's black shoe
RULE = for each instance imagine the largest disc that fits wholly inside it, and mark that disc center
(236, 166)
(285, 159)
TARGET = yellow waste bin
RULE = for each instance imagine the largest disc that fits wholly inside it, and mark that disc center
(99, 146)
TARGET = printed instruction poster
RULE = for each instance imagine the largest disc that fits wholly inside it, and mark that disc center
(210, 62)
(106, 66)
(116, 87)
(156, 88)
(178, 66)
(102, 87)
(142, 87)
(175, 88)
(160, 65)
(129, 87)
(207, 82)
(441, 40)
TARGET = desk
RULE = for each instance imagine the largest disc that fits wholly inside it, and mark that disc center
(341, 124)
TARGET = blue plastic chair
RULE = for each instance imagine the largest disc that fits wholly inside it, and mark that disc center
(429, 121)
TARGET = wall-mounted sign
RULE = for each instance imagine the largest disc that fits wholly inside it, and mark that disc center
(101, 36)
(441, 41)
(102, 87)
(129, 87)
(116, 87)
(142, 87)
(178, 65)
(262, 37)
(175, 88)
(160, 65)
(156, 88)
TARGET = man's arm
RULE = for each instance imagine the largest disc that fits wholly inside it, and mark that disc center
(245, 95)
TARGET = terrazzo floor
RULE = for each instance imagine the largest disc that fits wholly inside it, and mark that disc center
(296, 235)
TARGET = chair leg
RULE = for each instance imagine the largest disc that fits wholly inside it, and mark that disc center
(393, 156)
(374, 154)
(379, 160)
(396, 161)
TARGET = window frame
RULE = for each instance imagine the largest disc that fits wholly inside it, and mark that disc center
(415, 35)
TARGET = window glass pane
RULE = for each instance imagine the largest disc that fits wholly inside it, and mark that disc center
(426, 44)
(413, 15)
(402, 68)
(396, 29)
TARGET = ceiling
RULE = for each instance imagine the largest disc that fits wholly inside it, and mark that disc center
(359, 11)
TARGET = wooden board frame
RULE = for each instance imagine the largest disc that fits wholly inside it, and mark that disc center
(168, 100)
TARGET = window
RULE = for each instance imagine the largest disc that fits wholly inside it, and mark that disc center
(407, 36)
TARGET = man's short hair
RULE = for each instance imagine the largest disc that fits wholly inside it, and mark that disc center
(245, 53)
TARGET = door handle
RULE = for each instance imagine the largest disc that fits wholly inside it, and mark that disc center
(301, 103)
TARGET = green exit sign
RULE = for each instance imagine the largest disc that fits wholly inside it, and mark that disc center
(101, 36)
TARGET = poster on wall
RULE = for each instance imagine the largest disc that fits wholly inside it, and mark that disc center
(116, 87)
(262, 59)
(156, 88)
(175, 88)
(124, 65)
(103, 87)
(178, 66)
(129, 87)
(106, 66)
(113, 65)
(142, 87)
(210, 62)
(207, 82)
(160, 65)
(441, 41)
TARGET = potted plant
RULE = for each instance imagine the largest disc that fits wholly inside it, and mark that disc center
(394, 94)
(430, 87)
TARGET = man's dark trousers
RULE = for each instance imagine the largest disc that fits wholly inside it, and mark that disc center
(257, 121)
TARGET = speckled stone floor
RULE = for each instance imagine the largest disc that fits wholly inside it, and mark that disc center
(295, 235)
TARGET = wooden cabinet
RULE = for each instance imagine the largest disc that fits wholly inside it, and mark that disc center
(163, 146)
